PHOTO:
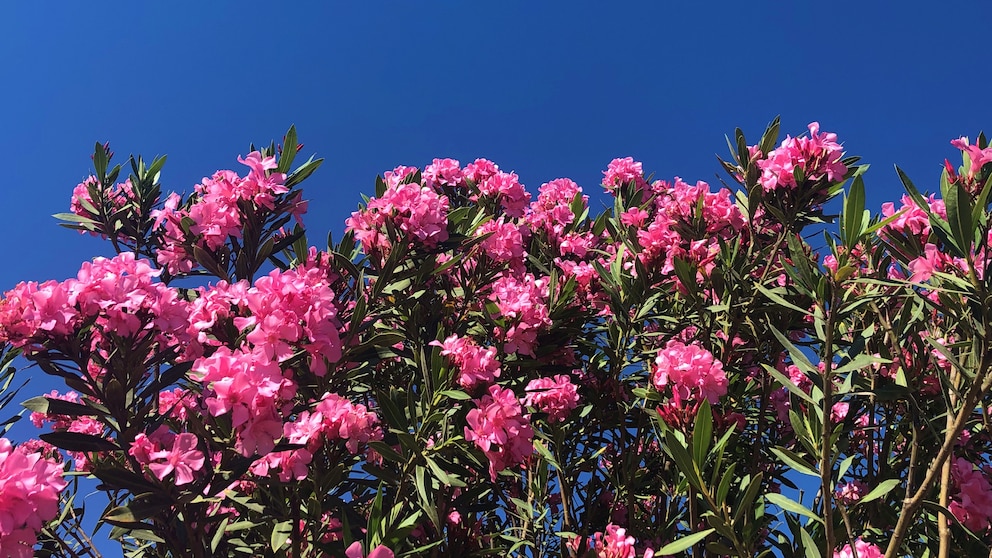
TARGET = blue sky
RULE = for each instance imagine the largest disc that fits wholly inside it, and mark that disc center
(543, 89)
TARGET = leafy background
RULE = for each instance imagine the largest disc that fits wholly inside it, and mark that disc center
(543, 89)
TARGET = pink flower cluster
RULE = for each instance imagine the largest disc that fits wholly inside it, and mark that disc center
(253, 389)
(522, 302)
(506, 188)
(119, 295)
(29, 497)
(500, 429)
(687, 222)
(476, 365)
(334, 418)
(551, 212)
(555, 396)
(165, 452)
(624, 171)
(912, 220)
(612, 543)
(293, 309)
(972, 505)
(416, 211)
(817, 157)
(217, 212)
(863, 549)
(82, 203)
(505, 243)
(691, 371)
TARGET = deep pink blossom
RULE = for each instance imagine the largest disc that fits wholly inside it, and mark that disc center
(500, 429)
(691, 371)
(623, 171)
(29, 497)
(555, 396)
(864, 550)
(476, 365)
(817, 156)
(972, 504)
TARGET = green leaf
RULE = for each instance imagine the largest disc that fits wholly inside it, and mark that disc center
(788, 384)
(774, 297)
(386, 451)
(52, 406)
(880, 490)
(77, 441)
(100, 161)
(219, 534)
(855, 217)
(280, 534)
(683, 460)
(795, 461)
(683, 543)
(702, 433)
(958, 203)
(791, 506)
(289, 144)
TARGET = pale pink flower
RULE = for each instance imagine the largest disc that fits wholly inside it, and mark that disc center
(555, 396)
(622, 171)
(818, 156)
(476, 365)
(691, 371)
(500, 429)
(864, 550)
(183, 458)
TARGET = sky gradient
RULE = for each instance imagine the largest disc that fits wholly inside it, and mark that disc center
(543, 89)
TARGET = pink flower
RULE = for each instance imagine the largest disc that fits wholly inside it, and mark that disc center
(848, 493)
(500, 429)
(555, 396)
(355, 551)
(818, 157)
(972, 505)
(692, 372)
(623, 171)
(924, 267)
(864, 550)
(29, 497)
(976, 156)
(183, 458)
(476, 365)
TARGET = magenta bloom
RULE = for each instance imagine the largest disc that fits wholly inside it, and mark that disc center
(418, 212)
(183, 458)
(29, 497)
(476, 365)
(555, 396)
(500, 429)
(691, 371)
(972, 505)
(818, 156)
(864, 550)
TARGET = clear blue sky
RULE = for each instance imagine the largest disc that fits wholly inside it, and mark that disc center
(544, 89)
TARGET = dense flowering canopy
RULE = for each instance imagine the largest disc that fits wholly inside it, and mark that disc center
(475, 370)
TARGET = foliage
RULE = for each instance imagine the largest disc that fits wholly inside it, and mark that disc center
(473, 371)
